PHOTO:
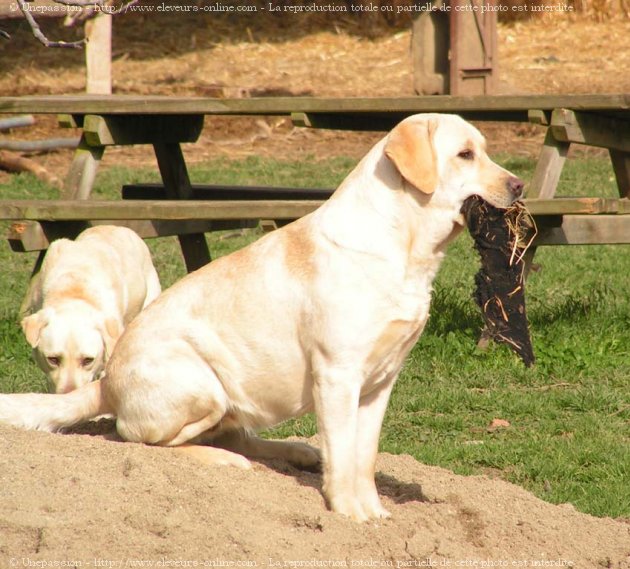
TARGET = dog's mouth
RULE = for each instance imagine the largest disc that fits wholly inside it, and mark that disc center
(506, 196)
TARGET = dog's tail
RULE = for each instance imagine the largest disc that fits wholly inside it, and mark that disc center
(52, 412)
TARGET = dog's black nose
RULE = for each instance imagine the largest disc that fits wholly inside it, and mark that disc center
(515, 186)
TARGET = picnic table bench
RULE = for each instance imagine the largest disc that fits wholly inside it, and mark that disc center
(177, 207)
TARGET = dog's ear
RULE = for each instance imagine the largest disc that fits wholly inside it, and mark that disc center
(111, 331)
(410, 148)
(32, 326)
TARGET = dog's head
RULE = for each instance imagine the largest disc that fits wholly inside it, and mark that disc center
(445, 156)
(70, 344)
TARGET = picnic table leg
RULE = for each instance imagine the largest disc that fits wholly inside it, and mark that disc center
(545, 179)
(80, 179)
(621, 166)
(78, 185)
(177, 185)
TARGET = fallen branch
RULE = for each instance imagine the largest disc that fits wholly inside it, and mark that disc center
(38, 145)
(12, 162)
(16, 122)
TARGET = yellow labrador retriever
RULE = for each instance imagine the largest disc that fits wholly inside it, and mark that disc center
(319, 315)
(85, 294)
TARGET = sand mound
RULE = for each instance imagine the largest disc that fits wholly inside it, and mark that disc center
(82, 500)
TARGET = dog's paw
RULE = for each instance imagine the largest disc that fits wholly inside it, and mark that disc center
(303, 456)
(212, 456)
(376, 512)
(359, 509)
(351, 508)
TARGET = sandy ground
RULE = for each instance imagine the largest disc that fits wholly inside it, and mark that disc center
(81, 500)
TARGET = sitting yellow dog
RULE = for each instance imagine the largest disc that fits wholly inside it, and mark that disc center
(318, 315)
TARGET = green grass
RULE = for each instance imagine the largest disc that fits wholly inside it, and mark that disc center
(570, 414)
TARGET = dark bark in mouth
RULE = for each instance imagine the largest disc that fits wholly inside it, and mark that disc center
(500, 286)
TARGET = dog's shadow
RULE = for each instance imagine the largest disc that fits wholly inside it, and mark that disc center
(387, 486)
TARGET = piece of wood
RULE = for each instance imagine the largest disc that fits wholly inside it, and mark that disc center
(548, 168)
(12, 162)
(38, 145)
(586, 230)
(79, 210)
(486, 106)
(177, 186)
(98, 54)
(80, 178)
(540, 117)
(16, 122)
(621, 167)
(473, 49)
(69, 121)
(29, 236)
(562, 206)
(430, 51)
(587, 128)
(181, 209)
(141, 129)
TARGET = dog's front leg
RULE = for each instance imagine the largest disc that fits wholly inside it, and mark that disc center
(372, 408)
(336, 394)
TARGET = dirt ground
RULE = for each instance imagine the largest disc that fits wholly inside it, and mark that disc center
(81, 500)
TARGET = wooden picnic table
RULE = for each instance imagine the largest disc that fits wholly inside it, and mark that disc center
(177, 207)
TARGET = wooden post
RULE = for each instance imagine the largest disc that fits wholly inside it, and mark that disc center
(473, 57)
(454, 48)
(98, 54)
(429, 51)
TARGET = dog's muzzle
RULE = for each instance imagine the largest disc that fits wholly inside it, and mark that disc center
(515, 187)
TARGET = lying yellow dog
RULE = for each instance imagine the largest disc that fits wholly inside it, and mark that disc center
(85, 294)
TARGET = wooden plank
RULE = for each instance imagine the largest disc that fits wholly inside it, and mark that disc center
(586, 230)
(141, 129)
(133, 104)
(556, 206)
(562, 206)
(32, 236)
(588, 128)
(80, 210)
(39, 210)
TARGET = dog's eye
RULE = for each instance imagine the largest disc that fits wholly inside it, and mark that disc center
(85, 362)
(466, 155)
(54, 361)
